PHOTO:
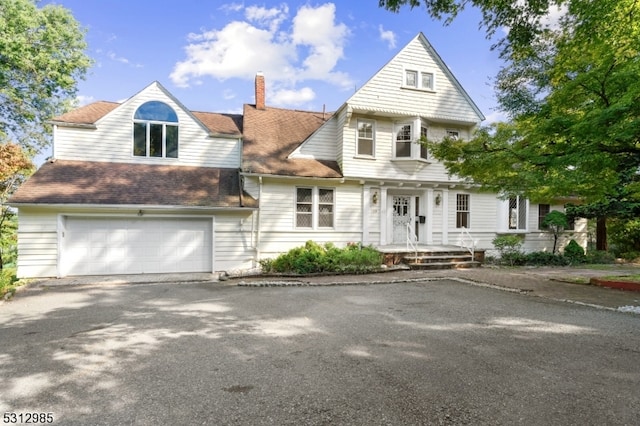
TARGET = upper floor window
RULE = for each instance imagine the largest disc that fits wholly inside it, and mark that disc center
(404, 140)
(315, 207)
(366, 140)
(453, 134)
(517, 213)
(418, 79)
(407, 140)
(155, 131)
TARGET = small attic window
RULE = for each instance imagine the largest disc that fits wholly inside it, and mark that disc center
(418, 79)
(155, 131)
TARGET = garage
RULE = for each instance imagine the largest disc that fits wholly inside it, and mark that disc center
(101, 246)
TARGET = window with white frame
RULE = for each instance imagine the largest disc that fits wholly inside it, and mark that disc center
(366, 142)
(407, 140)
(462, 211)
(418, 79)
(315, 207)
(517, 213)
(155, 131)
(404, 140)
(453, 134)
(543, 210)
(423, 138)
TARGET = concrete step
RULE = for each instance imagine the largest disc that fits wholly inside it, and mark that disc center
(438, 258)
(443, 265)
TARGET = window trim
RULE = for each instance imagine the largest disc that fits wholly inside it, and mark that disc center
(148, 124)
(467, 211)
(373, 138)
(541, 217)
(416, 149)
(315, 208)
(522, 213)
(419, 78)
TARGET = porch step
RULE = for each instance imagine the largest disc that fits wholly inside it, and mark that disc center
(443, 265)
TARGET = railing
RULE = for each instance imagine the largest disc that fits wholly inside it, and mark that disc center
(464, 234)
(411, 238)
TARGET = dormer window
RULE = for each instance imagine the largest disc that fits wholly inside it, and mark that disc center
(155, 131)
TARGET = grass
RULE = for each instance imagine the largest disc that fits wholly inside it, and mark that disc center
(630, 278)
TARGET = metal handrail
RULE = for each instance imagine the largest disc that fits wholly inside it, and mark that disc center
(410, 240)
(464, 232)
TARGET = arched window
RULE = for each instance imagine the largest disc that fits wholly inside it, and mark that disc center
(155, 131)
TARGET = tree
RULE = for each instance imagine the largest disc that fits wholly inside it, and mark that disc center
(555, 222)
(525, 19)
(15, 167)
(41, 59)
(574, 103)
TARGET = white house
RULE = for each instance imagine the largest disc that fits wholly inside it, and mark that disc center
(147, 186)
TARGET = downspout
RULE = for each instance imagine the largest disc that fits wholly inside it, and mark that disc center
(258, 218)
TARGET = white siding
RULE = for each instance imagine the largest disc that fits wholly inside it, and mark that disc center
(383, 166)
(321, 145)
(37, 244)
(112, 141)
(383, 90)
(277, 217)
(38, 238)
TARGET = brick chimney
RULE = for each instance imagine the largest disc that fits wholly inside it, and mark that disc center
(260, 97)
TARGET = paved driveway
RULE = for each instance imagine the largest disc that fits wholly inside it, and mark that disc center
(439, 352)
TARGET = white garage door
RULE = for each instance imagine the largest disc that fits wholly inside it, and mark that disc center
(136, 246)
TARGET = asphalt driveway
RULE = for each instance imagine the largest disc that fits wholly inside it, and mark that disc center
(438, 352)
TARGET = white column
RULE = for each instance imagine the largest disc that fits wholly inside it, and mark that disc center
(445, 216)
(366, 209)
(428, 194)
(383, 215)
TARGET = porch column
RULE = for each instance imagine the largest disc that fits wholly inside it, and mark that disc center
(428, 194)
(383, 216)
(445, 216)
(366, 208)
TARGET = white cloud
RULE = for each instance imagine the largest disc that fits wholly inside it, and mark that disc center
(309, 49)
(495, 117)
(231, 7)
(117, 58)
(292, 97)
(388, 36)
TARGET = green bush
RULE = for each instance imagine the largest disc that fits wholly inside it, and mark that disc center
(545, 258)
(7, 279)
(599, 257)
(624, 237)
(574, 253)
(316, 258)
(510, 249)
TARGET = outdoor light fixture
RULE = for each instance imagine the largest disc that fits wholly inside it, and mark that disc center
(438, 199)
(374, 198)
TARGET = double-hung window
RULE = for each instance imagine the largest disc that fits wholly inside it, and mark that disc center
(543, 210)
(404, 140)
(462, 211)
(366, 142)
(517, 213)
(407, 140)
(315, 207)
(155, 131)
(418, 79)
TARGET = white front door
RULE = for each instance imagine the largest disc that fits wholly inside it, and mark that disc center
(403, 208)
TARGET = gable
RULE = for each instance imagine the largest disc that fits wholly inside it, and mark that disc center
(387, 92)
(321, 145)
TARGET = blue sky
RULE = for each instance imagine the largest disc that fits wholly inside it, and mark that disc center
(206, 53)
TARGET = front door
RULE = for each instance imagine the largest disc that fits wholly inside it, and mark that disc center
(402, 218)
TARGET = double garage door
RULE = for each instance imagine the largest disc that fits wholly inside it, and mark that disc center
(93, 246)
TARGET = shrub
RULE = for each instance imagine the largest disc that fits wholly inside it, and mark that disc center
(545, 258)
(7, 280)
(315, 258)
(599, 257)
(574, 253)
(510, 249)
